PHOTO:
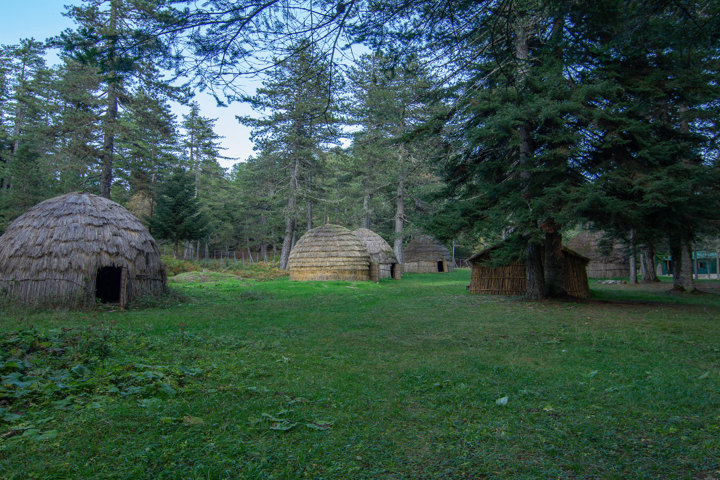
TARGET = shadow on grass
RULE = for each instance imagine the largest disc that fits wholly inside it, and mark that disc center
(659, 293)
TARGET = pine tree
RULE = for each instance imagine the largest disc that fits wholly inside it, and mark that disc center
(299, 124)
(26, 175)
(177, 214)
(391, 99)
(120, 39)
(653, 151)
(514, 124)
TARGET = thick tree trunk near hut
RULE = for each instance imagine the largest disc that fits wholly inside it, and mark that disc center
(534, 277)
(108, 151)
(682, 266)
(289, 217)
(554, 260)
(399, 221)
(647, 264)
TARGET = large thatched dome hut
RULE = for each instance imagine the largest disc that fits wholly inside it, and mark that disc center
(330, 252)
(509, 279)
(78, 247)
(424, 254)
(383, 262)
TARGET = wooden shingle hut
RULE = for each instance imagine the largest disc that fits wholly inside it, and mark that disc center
(424, 254)
(509, 279)
(383, 262)
(330, 252)
(604, 263)
(76, 248)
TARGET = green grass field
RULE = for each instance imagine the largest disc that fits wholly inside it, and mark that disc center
(415, 379)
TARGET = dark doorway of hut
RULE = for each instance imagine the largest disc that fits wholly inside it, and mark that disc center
(441, 266)
(395, 271)
(108, 284)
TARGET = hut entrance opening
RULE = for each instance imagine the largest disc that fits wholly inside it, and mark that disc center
(440, 266)
(108, 284)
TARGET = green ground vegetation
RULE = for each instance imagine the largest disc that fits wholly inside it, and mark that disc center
(239, 378)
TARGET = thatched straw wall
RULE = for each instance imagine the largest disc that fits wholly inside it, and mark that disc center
(510, 279)
(424, 254)
(612, 264)
(54, 251)
(330, 252)
(575, 278)
(501, 280)
(382, 257)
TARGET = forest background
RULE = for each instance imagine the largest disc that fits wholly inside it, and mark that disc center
(479, 122)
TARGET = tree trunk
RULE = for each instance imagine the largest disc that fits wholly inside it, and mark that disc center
(399, 221)
(106, 174)
(554, 260)
(289, 217)
(534, 277)
(682, 266)
(647, 264)
(309, 205)
(152, 202)
(175, 248)
(366, 211)
(633, 258)
(309, 215)
(17, 129)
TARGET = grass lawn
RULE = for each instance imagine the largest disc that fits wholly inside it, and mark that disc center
(415, 379)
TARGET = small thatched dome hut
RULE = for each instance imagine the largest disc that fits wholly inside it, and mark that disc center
(78, 247)
(509, 279)
(330, 252)
(425, 254)
(383, 262)
(604, 263)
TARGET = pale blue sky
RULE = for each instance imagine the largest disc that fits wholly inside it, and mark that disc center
(39, 19)
(42, 19)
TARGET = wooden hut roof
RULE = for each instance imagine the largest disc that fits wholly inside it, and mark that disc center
(379, 250)
(67, 238)
(425, 248)
(325, 249)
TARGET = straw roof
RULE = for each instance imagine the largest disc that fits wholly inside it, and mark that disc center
(379, 250)
(330, 252)
(425, 249)
(55, 250)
